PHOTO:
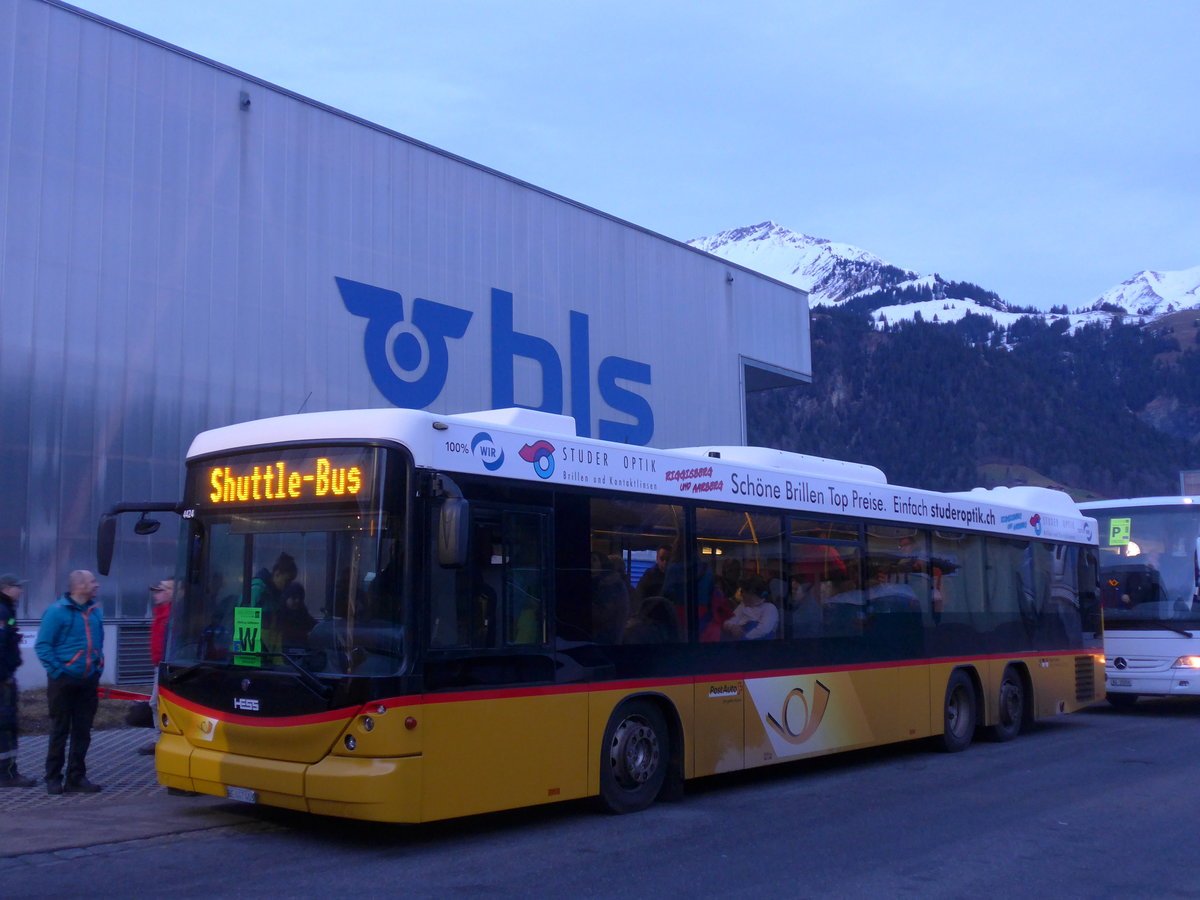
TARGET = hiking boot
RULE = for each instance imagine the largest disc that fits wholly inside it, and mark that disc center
(54, 786)
(18, 781)
(82, 786)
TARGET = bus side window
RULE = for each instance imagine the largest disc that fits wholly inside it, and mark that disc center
(525, 577)
(478, 614)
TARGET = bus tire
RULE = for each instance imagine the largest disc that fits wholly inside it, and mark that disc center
(634, 757)
(1122, 701)
(958, 713)
(1011, 709)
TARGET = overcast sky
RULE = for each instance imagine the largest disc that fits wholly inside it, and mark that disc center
(1046, 151)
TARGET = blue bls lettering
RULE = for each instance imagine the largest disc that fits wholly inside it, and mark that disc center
(408, 361)
(508, 343)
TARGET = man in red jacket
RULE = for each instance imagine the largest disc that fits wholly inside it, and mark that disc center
(161, 595)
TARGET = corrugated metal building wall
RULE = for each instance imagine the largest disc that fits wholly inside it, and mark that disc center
(171, 234)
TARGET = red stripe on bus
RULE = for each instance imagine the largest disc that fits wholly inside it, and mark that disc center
(333, 715)
(349, 712)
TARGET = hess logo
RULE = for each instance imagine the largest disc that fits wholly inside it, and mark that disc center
(409, 361)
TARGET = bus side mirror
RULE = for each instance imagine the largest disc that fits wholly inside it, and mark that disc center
(145, 526)
(106, 537)
(453, 524)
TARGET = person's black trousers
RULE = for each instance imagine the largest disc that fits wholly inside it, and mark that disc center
(73, 703)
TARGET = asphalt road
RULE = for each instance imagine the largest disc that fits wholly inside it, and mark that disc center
(1098, 804)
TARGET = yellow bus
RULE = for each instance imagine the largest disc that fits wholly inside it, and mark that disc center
(401, 616)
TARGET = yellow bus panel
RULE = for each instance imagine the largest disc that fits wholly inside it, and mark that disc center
(490, 753)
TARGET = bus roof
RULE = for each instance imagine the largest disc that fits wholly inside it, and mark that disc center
(542, 447)
(1140, 501)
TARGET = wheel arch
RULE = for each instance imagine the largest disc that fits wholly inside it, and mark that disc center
(991, 698)
(672, 788)
(976, 682)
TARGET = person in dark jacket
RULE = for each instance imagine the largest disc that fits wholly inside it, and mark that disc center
(266, 592)
(11, 588)
(294, 619)
(70, 645)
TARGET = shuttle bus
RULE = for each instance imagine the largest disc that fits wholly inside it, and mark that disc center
(400, 616)
(1149, 579)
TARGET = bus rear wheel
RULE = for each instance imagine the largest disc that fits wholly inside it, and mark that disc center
(958, 713)
(634, 757)
(1011, 712)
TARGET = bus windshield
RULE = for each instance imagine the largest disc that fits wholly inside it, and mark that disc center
(309, 587)
(1148, 562)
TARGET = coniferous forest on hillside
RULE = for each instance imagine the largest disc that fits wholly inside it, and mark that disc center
(1109, 411)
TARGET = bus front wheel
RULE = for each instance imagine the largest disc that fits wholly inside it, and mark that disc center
(634, 757)
(958, 713)
(1011, 708)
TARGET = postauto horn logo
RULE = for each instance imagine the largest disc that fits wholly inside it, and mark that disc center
(409, 360)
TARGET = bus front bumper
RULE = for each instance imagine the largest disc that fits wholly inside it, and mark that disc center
(1167, 683)
(378, 790)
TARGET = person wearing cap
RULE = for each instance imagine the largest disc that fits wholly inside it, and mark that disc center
(70, 645)
(161, 595)
(11, 588)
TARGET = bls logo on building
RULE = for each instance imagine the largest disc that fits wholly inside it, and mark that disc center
(409, 359)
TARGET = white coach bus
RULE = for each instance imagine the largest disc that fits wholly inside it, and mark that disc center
(1149, 571)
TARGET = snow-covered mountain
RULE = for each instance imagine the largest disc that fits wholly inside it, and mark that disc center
(1154, 294)
(838, 274)
(829, 271)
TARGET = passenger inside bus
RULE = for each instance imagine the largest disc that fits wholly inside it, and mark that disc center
(266, 593)
(610, 598)
(654, 622)
(755, 618)
(716, 612)
(806, 606)
(294, 620)
(652, 580)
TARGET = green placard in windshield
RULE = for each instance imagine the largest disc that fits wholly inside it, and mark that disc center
(1119, 531)
(247, 636)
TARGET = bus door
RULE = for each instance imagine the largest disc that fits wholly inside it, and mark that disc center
(488, 665)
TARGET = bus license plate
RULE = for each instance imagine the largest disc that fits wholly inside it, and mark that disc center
(242, 795)
(1120, 682)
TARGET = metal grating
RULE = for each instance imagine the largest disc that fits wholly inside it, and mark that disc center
(133, 653)
(1085, 679)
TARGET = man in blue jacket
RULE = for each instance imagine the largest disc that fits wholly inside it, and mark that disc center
(70, 645)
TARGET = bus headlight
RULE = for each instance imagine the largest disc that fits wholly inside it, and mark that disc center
(1188, 662)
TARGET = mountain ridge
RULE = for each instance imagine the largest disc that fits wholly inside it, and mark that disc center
(943, 385)
(835, 273)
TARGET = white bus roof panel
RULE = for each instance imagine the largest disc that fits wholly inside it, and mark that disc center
(540, 448)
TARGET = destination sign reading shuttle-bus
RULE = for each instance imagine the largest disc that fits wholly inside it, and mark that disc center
(285, 478)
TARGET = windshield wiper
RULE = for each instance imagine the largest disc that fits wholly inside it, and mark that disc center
(1139, 624)
(307, 678)
(187, 672)
(1175, 628)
